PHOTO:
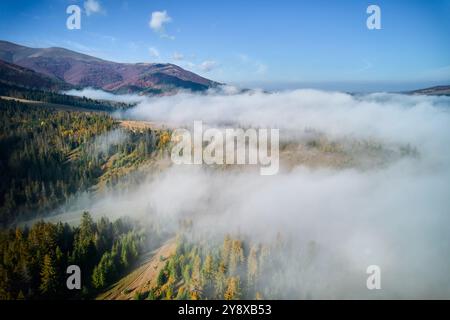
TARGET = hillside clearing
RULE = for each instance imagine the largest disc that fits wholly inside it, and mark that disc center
(143, 278)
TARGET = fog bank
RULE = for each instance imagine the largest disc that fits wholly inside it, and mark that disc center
(396, 216)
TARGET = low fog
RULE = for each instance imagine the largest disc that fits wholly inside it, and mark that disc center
(103, 95)
(396, 216)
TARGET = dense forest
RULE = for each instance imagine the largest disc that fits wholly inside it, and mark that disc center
(59, 98)
(47, 156)
(236, 269)
(33, 261)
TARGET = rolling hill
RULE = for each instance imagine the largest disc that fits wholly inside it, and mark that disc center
(17, 75)
(80, 70)
(434, 91)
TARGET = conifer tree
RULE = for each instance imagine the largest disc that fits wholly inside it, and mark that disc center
(49, 279)
(233, 291)
(219, 282)
(208, 268)
(252, 267)
(236, 256)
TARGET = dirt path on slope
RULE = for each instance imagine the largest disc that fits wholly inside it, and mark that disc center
(144, 277)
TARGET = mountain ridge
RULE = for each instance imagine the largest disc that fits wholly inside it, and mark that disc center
(81, 70)
(12, 74)
(441, 90)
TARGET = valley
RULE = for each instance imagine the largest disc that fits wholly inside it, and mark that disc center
(90, 181)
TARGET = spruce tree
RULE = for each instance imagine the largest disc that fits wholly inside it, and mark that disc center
(49, 279)
(233, 291)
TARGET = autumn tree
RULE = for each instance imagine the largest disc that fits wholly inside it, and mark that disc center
(49, 279)
(162, 277)
(252, 267)
(226, 249)
(219, 282)
(236, 256)
(233, 291)
(208, 268)
(196, 278)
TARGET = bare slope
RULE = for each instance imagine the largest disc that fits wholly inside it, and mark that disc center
(143, 278)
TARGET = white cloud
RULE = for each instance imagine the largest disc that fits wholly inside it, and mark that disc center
(394, 215)
(177, 56)
(103, 95)
(389, 117)
(153, 52)
(158, 19)
(92, 6)
(207, 65)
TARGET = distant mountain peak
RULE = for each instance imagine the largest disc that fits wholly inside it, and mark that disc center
(436, 90)
(82, 70)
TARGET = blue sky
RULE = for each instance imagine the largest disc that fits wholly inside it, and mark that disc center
(264, 43)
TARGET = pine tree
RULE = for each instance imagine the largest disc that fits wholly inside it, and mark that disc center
(219, 282)
(162, 278)
(170, 286)
(196, 279)
(252, 267)
(181, 294)
(20, 296)
(124, 255)
(208, 275)
(195, 295)
(87, 227)
(263, 258)
(208, 268)
(49, 279)
(236, 256)
(98, 277)
(233, 291)
(104, 272)
(226, 249)
(187, 273)
(174, 267)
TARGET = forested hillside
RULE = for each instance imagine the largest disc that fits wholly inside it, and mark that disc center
(33, 261)
(21, 92)
(237, 268)
(47, 156)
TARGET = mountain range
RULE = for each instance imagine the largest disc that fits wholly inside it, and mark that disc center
(433, 91)
(58, 69)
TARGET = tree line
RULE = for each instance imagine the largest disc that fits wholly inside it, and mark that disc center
(33, 261)
(236, 269)
(47, 156)
(60, 98)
